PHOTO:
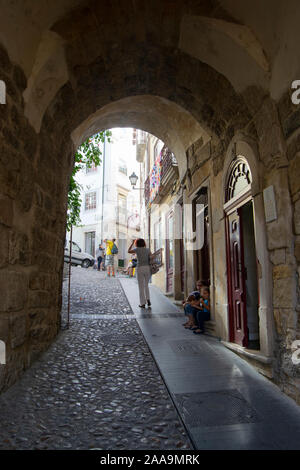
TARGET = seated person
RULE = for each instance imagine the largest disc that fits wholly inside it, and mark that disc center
(199, 285)
(190, 310)
(197, 294)
(203, 310)
(131, 265)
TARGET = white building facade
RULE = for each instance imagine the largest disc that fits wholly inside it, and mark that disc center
(110, 208)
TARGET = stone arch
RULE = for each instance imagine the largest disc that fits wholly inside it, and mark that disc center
(177, 82)
(107, 61)
(239, 174)
(158, 116)
(240, 146)
(112, 55)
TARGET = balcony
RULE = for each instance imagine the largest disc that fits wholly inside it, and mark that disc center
(163, 174)
(169, 170)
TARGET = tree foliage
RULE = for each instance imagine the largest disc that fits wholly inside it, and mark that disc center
(87, 154)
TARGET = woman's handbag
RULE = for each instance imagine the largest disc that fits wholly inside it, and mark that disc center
(154, 268)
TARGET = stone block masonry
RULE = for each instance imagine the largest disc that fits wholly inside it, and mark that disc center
(97, 387)
(31, 232)
(102, 73)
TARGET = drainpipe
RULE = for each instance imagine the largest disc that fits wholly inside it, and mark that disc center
(103, 191)
(69, 283)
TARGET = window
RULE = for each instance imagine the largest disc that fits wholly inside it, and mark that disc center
(134, 136)
(75, 247)
(157, 235)
(90, 201)
(90, 243)
(239, 179)
(122, 167)
(122, 210)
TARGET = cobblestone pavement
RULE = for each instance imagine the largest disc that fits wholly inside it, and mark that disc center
(97, 387)
(94, 293)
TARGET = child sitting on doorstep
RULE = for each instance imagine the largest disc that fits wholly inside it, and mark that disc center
(189, 309)
(203, 310)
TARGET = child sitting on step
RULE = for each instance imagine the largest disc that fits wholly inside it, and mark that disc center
(203, 310)
(190, 310)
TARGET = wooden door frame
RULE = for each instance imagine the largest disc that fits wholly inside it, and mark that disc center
(198, 254)
(229, 278)
(191, 286)
(181, 249)
(247, 148)
(230, 207)
(168, 216)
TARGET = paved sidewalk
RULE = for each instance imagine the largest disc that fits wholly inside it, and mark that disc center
(223, 401)
(98, 386)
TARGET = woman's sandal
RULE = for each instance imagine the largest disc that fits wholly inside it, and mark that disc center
(198, 332)
(142, 306)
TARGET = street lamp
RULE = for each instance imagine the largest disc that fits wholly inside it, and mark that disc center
(133, 180)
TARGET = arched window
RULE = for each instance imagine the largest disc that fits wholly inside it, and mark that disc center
(239, 179)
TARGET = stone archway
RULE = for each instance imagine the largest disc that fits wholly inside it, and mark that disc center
(244, 150)
(85, 64)
(160, 117)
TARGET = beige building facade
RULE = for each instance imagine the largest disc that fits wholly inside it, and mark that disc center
(250, 287)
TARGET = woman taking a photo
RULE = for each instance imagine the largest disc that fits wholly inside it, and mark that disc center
(143, 269)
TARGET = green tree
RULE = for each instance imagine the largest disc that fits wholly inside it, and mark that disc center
(88, 153)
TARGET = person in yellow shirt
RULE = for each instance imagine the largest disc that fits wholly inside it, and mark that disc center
(109, 259)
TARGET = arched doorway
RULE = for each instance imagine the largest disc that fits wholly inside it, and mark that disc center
(242, 277)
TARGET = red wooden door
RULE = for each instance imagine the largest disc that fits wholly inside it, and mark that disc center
(182, 266)
(236, 280)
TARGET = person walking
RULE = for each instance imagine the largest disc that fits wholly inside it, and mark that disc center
(143, 269)
(99, 256)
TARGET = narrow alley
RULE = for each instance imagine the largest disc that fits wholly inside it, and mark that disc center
(125, 378)
(97, 387)
(163, 127)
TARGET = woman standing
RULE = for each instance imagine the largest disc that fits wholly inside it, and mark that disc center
(143, 269)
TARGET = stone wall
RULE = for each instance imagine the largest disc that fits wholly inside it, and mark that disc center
(32, 226)
(287, 259)
(122, 62)
(276, 137)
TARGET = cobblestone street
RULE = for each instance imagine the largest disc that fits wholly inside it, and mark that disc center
(97, 387)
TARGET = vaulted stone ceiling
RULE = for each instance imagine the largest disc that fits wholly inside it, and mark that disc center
(209, 57)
